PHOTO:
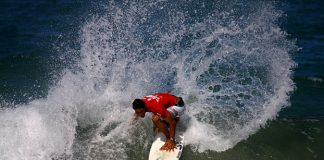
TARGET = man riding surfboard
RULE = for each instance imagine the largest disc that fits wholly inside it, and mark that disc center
(166, 109)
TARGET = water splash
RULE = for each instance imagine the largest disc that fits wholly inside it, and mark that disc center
(231, 65)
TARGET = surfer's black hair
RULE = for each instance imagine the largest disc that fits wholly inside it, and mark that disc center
(138, 103)
(180, 103)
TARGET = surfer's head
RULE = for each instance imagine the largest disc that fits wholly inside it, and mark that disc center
(139, 107)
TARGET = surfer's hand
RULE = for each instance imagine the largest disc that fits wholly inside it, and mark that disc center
(168, 146)
(135, 118)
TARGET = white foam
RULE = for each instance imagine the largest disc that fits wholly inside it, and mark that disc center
(27, 133)
(315, 79)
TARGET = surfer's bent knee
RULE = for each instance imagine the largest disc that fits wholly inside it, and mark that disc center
(155, 118)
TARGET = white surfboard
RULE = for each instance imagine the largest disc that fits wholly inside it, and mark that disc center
(157, 154)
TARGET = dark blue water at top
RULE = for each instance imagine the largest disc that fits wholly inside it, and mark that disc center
(30, 32)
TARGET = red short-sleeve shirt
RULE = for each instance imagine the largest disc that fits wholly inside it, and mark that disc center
(159, 102)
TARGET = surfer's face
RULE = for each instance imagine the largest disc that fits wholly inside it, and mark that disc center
(140, 112)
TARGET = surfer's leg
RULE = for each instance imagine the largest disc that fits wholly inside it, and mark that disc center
(156, 129)
(158, 123)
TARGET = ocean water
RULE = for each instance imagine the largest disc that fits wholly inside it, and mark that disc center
(249, 71)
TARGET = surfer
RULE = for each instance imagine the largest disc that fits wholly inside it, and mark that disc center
(166, 110)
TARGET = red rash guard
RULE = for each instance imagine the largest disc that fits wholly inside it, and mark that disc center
(159, 102)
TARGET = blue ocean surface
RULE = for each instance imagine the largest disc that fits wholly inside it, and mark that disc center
(250, 72)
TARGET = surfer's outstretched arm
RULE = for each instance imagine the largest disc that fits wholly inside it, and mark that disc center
(134, 118)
